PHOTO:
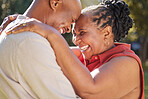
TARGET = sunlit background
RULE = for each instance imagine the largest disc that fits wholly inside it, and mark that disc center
(138, 36)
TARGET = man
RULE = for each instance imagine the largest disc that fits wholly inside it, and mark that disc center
(28, 67)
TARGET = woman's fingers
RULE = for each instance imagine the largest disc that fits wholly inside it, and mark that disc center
(22, 27)
(31, 25)
(18, 28)
(20, 24)
(6, 21)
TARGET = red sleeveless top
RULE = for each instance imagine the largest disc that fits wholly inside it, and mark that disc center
(120, 49)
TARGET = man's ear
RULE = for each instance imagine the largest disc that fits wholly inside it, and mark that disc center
(55, 4)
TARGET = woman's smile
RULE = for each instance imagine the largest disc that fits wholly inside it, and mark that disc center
(84, 48)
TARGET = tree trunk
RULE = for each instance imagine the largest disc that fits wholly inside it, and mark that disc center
(143, 49)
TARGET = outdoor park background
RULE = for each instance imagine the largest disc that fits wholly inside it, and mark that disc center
(138, 36)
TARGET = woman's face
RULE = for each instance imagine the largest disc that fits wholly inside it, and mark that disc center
(88, 37)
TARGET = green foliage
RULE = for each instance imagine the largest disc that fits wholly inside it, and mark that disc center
(68, 37)
(8, 7)
(146, 84)
(139, 13)
(86, 3)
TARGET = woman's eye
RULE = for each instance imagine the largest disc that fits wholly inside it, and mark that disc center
(82, 33)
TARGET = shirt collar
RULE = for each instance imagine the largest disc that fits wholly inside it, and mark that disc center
(119, 47)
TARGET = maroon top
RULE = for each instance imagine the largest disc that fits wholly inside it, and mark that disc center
(120, 49)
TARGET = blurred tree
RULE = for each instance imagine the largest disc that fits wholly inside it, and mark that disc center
(0, 9)
(86, 3)
(139, 13)
(8, 7)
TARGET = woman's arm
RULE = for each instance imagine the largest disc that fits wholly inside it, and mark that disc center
(76, 51)
(74, 70)
(116, 78)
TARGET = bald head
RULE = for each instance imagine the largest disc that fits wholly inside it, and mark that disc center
(57, 13)
(72, 3)
(64, 13)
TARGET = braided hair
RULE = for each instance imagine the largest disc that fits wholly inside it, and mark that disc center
(114, 13)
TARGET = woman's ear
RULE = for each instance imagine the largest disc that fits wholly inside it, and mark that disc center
(55, 4)
(107, 32)
(108, 35)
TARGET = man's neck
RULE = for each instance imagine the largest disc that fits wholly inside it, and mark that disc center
(37, 10)
(30, 11)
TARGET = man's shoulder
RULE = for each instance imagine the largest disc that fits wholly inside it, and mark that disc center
(26, 36)
(26, 41)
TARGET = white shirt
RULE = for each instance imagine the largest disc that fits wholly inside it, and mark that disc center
(28, 69)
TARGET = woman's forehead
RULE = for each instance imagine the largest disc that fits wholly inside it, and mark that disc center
(84, 22)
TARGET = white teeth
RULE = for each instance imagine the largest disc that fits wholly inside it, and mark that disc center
(61, 30)
(84, 47)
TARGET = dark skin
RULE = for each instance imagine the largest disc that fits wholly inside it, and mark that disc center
(118, 78)
(59, 14)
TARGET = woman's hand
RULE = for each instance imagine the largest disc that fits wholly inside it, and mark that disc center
(7, 20)
(32, 25)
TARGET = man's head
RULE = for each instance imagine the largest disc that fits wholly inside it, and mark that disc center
(57, 13)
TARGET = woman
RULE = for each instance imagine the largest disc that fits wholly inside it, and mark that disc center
(114, 71)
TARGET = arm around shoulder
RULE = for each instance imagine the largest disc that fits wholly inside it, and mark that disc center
(38, 69)
(76, 51)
